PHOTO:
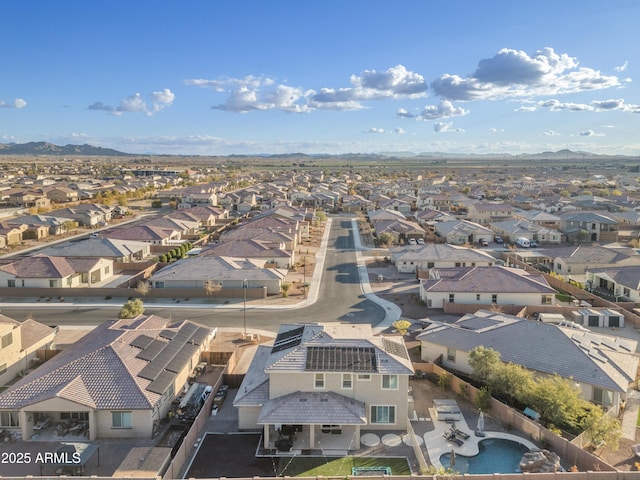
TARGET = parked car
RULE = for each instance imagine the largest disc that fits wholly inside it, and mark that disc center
(483, 243)
(420, 241)
(498, 239)
(533, 243)
(412, 241)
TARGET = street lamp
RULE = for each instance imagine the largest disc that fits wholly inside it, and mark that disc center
(244, 312)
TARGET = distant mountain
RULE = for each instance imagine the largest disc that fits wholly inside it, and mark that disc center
(44, 148)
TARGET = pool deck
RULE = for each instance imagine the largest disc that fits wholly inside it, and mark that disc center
(437, 445)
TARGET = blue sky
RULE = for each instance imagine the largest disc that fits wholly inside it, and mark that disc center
(251, 77)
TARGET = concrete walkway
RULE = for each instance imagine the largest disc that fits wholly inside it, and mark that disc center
(630, 415)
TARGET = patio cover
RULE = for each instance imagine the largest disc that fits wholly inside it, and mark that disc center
(313, 408)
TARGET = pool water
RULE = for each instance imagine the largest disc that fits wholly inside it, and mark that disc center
(496, 456)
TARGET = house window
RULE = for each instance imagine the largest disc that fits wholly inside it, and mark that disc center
(159, 284)
(430, 264)
(451, 297)
(121, 419)
(494, 298)
(318, 381)
(53, 283)
(458, 264)
(107, 269)
(546, 300)
(11, 283)
(7, 340)
(389, 382)
(347, 381)
(364, 377)
(383, 414)
(477, 297)
(603, 397)
(9, 419)
(451, 354)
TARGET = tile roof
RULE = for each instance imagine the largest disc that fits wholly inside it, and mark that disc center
(390, 353)
(40, 266)
(486, 279)
(102, 370)
(207, 267)
(606, 362)
(97, 247)
(307, 408)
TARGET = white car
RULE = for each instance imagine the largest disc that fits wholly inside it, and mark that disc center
(421, 241)
(412, 241)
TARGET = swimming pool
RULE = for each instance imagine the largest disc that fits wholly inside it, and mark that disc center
(496, 455)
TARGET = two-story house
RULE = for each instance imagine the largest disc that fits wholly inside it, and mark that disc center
(325, 381)
(589, 226)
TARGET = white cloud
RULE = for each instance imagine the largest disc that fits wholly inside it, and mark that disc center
(514, 73)
(399, 131)
(262, 93)
(596, 105)
(135, 103)
(555, 105)
(396, 82)
(623, 67)
(375, 130)
(590, 133)
(17, 103)
(441, 127)
(496, 130)
(526, 108)
(551, 133)
(444, 109)
(162, 99)
(404, 113)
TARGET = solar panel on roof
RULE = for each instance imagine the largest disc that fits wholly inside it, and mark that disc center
(151, 371)
(199, 336)
(288, 339)
(167, 353)
(162, 383)
(185, 332)
(394, 348)
(141, 341)
(178, 362)
(152, 350)
(168, 334)
(344, 359)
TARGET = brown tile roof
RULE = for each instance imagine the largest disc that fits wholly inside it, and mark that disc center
(40, 266)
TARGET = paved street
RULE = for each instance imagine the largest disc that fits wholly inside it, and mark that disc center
(340, 298)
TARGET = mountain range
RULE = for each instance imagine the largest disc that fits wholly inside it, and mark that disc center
(45, 148)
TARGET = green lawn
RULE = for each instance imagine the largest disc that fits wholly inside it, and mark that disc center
(338, 466)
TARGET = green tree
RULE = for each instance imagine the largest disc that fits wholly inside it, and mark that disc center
(483, 399)
(131, 309)
(385, 238)
(557, 400)
(603, 430)
(156, 203)
(285, 289)
(514, 381)
(484, 362)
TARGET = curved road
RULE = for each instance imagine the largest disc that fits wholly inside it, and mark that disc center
(340, 298)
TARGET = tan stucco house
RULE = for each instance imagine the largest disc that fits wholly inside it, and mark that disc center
(118, 381)
(325, 381)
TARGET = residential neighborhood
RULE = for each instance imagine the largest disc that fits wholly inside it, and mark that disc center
(550, 286)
